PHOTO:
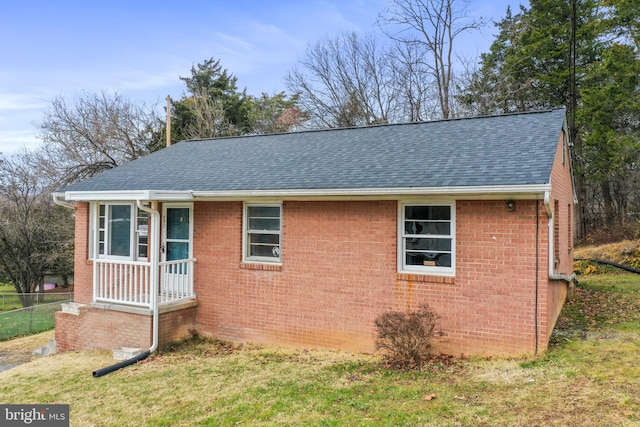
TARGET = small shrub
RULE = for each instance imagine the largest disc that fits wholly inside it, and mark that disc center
(405, 337)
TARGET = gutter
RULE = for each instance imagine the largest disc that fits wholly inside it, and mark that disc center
(154, 298)
(62, 202)
(483, 192)
(476, 192)
(552, 274)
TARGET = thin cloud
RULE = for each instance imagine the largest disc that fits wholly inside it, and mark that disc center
(12, 141)
(20, 101)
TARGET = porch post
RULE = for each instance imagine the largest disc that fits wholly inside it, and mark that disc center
(155, 255)
(95, 245)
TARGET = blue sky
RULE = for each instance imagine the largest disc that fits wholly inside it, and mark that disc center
(55, 48)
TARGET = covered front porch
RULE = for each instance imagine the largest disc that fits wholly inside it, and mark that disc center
(131, 283)
(134, 268)
(142, 253)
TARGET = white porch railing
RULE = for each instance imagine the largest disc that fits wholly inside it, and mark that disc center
(129, 282)
(176, 280)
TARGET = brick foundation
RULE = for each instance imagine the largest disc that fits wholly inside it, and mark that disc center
(101, 329)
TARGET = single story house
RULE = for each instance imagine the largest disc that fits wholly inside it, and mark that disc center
(304, 238)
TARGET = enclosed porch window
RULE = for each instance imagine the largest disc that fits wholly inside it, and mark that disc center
(129, 264)
(122, 231)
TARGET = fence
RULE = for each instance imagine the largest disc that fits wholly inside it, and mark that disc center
(24, 321)
(11, 301)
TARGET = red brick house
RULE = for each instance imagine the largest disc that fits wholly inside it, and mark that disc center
(304, 238)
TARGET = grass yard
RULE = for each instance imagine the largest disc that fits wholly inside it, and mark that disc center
(10, 299)
(37, 318)
(589, 377)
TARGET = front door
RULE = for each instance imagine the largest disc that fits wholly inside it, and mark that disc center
(176, 246)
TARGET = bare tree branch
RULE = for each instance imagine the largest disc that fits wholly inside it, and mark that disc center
(345, 81)
(99, 131)
(432, 26)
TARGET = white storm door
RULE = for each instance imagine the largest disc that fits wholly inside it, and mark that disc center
(176, 246)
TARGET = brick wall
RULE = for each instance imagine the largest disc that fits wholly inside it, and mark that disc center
(562, 196)
(339, 271)
(337, 258)
(101, 329)
(500, 278)
(83, 268)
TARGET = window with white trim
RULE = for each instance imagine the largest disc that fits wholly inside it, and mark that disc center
(122, 231)
(427, 238)
(262, 232)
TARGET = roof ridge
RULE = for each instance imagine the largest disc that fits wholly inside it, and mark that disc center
(453, 119)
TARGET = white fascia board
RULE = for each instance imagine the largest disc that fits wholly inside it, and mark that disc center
(479, 192)
(128, 195)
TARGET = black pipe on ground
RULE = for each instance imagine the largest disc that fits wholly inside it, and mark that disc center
(613, 264)
(124, 363)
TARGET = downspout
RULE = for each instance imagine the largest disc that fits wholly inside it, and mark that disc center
(154, 297)
(552, 274)
(154, 269)
(536, 310)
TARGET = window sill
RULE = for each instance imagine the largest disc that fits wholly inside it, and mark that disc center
(260, 266)
(425, 277)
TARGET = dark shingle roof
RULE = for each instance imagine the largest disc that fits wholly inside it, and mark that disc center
(515, 149)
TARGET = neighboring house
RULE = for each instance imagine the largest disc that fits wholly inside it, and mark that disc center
(304, 238)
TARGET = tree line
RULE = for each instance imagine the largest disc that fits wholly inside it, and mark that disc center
(578, 54)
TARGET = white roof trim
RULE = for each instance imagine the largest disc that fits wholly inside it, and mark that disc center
(506, 191)
(484, 192)
(129, 195)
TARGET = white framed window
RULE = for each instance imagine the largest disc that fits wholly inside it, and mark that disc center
(426, 234)
(262, 232)
(121, 231)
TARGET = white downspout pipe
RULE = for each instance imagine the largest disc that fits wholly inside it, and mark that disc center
(153, 256)
(552, 274)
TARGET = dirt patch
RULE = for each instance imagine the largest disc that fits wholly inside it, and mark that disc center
(8, 360)
(20, 350)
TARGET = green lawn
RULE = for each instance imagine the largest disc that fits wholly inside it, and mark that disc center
(9, 301)
(22, 322)
(589, 377)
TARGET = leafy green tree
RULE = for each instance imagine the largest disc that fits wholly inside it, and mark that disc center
(214, 107)
(539, 60)
(211, 107)
(610, 118)
(624, 19)
(499, 85)
(274, 114)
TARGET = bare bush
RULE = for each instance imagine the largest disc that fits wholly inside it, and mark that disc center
(405, 337)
